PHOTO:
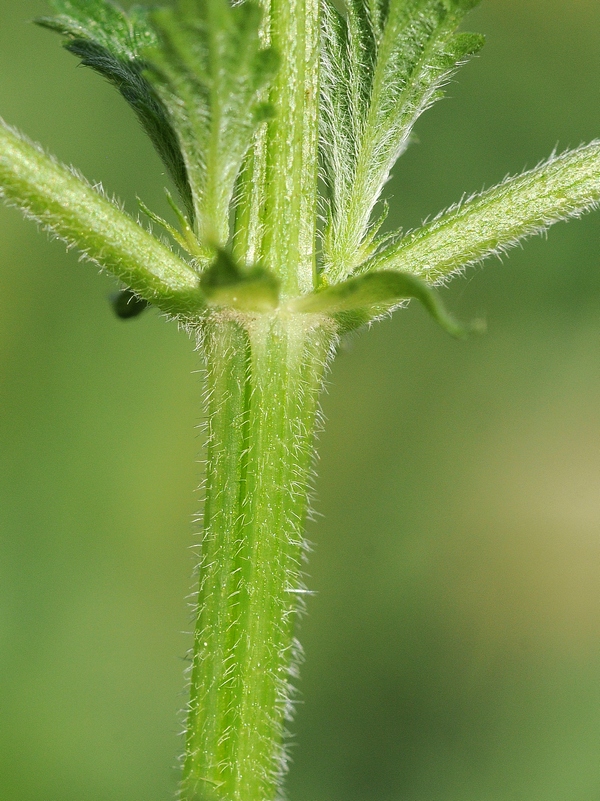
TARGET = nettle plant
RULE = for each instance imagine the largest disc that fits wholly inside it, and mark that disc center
(271, 116)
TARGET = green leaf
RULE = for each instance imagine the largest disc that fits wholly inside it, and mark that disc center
(210, 70)
(110, 41)
(361, 299)
(384, 64)
(253, 289)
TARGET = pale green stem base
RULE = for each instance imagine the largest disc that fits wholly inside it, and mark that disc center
(264, 375)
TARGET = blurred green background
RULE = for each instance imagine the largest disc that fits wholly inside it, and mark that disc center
(453, 646)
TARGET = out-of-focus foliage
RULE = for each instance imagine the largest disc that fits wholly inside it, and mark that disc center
(453, 645)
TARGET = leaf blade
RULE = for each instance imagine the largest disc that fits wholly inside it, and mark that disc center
(65, 205)
(383, 66)
(210, 70)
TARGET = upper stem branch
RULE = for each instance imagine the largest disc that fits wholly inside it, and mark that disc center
(68, 207)
(564, 186)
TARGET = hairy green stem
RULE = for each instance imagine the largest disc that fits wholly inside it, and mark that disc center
(292, 146)
(264, 375)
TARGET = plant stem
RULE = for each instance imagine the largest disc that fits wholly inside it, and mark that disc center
(277, 212)
(264, 375)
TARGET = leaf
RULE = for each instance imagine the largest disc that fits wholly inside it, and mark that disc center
(488, 223)
(361, 299)
(210, 70)
(225, 283)
(111, 42)
(384, 64)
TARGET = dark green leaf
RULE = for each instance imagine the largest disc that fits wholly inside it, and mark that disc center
(110, 41)
(127, 305)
